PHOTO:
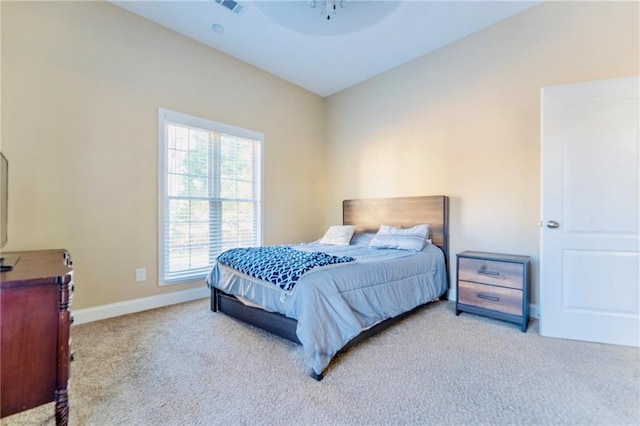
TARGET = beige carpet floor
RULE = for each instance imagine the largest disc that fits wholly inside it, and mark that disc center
(184, 365)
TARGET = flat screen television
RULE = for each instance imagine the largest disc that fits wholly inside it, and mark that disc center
(4, 198)
(7, 261)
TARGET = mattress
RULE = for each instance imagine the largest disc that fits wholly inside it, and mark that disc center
(335, 303)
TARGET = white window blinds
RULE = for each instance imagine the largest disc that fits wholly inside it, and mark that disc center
(210, 193)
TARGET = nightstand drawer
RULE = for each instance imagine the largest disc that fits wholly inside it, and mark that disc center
(499, 299)
(493, 272)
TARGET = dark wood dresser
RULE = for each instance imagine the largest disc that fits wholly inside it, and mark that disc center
(35, 355)
(494, 285)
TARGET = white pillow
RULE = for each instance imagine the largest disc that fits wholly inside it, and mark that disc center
(390, 237)
(338, 235)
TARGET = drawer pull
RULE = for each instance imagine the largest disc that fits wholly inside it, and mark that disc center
(492, 273)
(487, 297)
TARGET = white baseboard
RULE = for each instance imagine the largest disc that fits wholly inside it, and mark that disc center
(111, 310)
(534, 309)
(452, 295)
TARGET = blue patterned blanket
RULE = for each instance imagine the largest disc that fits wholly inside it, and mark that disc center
(280, 265)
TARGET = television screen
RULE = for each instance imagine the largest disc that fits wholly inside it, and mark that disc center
(4, 189)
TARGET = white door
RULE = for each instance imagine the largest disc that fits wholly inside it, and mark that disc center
(590, 244)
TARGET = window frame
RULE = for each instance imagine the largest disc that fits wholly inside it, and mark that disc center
(164, 116)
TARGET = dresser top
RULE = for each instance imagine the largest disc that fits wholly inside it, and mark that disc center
(37, 265)
(495, 256)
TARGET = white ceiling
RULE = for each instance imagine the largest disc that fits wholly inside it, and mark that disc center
(297, 43)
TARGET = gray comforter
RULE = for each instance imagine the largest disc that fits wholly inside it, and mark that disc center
(335, 303)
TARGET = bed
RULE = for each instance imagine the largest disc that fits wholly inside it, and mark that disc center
(334, 307)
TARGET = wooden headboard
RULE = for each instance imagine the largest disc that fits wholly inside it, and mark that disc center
(369, 214)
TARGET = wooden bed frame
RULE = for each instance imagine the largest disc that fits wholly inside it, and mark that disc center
(367, 215)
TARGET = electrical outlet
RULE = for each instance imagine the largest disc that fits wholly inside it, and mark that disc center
(141, 274)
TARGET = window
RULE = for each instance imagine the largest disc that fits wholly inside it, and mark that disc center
(209, 193)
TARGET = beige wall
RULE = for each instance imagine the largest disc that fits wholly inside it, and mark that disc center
(464, 121)
(81, 87)
(82, 81)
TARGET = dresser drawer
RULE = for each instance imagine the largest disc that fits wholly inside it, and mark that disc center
(499, 299)
(493, 272)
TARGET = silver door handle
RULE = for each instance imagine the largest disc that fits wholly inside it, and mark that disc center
(553, 224)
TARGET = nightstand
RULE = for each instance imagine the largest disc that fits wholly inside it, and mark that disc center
(494, 285)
